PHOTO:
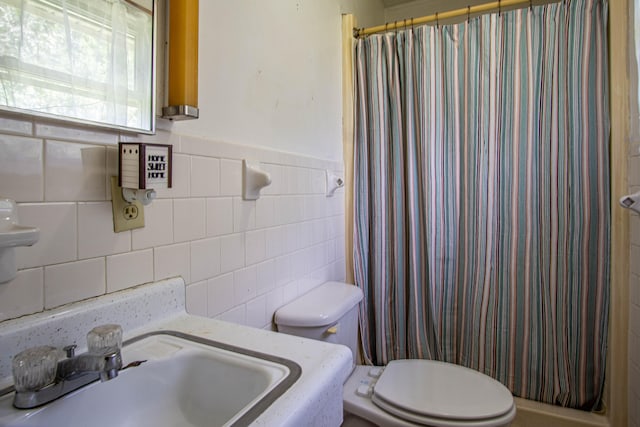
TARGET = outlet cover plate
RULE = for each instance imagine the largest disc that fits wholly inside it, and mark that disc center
(126, 216)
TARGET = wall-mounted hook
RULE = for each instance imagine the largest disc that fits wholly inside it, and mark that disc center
(254, 180)
(333, 183)
(631, 201)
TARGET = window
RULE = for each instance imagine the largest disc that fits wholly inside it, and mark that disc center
(86, 60)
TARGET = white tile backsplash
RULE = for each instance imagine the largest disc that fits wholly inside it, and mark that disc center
(266, 276)
(172, 261)
(237, 315)
(257, 312)
(196, 298)
(284, 273)
(232, 252)
(24, 127)
(265, 212)
(205, 259)
(73, 281)
(95, 231)
(244, 214)
(219, 216)
(290, 291)
(22, 295)
(240, 259)
(220, 294)
(189, 219)
(58, 234)
(275, 300)
(130, 269)
(158, 226)
(205, 177)
(21, 168)
(230, 177)
(275, 241)
(255, 246)
(245, 282)
(49, 131)
(74, 171)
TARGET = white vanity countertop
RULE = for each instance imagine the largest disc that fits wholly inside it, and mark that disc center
(314, 399)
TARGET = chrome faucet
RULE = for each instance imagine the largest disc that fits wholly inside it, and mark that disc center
(106, 363)
(71, 373)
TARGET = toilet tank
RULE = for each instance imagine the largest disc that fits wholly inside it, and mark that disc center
(327, 313)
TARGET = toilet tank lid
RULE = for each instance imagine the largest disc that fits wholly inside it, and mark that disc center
(321, 306)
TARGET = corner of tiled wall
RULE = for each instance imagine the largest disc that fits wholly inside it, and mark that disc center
(634, 291)
(241, 259)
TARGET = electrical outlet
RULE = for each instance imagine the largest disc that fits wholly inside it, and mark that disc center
(126, 216)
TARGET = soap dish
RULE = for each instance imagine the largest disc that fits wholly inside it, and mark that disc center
(11, 235)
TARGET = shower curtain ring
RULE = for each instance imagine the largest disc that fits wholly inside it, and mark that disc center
(468, 14)
(499, 7)
(437, 21)
(530, 5)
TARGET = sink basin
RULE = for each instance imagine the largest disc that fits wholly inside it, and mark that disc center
(185, 380)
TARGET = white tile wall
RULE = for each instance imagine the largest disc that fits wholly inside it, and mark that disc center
(73, 281)
(189, 219)
(129, 269)
(220, 294)
(219, 216)
(196, 298)
(158, 226)
(205, 259)
(205, 177)
(241, 259)
(74, 171)
(21, 174)
(23, 295)
(95, 231)
(172, 261)
(58, 234)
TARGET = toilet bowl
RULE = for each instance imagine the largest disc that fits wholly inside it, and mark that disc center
(405, 392)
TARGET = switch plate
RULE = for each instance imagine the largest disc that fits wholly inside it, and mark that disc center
(126, 216)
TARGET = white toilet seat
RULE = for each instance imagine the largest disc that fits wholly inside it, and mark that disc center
(423, 390)
(428, 393)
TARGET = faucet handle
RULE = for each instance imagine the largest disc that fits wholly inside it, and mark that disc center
(35, 367)
(104, 336)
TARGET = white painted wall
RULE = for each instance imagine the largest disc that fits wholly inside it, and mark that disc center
(270, 73)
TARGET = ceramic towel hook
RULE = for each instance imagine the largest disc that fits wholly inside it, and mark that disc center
(254, 180)
(631, 201)
(333, 183)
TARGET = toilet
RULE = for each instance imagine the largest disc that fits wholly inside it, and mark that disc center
(405, 392)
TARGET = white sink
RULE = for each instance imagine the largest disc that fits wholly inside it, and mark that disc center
(185, 381)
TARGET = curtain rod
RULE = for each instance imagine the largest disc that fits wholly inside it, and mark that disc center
(467, 11)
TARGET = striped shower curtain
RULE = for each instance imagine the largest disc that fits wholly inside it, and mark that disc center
(482, 197)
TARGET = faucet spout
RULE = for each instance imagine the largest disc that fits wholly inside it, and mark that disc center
(106, 363)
